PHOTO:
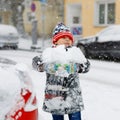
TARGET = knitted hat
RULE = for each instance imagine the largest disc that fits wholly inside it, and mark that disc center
(61, 31)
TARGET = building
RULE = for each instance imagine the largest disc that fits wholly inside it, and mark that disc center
(85, 17)
(92, 15)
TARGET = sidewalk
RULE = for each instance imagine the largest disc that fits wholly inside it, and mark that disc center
(26, 44)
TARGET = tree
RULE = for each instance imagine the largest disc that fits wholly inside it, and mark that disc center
(17, 8)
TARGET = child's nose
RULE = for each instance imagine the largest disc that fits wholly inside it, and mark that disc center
(67, 38)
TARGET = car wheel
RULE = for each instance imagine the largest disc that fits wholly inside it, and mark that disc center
(15, 47)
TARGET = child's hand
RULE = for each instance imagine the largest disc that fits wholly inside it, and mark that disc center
(37, 64)
(40, 68)
(83, 68)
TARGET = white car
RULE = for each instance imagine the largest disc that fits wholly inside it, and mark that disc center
(17, 97)
(8, 36)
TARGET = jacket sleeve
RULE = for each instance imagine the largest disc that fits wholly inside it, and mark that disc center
(37, 63)
(84, 67)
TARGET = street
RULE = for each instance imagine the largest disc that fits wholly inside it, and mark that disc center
(100, 87)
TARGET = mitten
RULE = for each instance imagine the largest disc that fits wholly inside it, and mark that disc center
(83, 68)
(37, 63)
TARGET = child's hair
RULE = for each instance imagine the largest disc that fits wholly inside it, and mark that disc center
(61, 31)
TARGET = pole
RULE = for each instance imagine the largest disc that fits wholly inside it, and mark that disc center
(43, 8)
(34, 34)
(43, 23)
(34, 28)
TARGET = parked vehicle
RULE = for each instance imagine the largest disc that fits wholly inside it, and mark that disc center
(17, 96)
(8, 36)
(104, 45)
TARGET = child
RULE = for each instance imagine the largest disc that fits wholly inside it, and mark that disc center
(62, 64)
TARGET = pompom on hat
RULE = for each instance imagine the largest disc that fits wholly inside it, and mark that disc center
(61, 31)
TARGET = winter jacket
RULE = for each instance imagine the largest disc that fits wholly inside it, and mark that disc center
(62, 93)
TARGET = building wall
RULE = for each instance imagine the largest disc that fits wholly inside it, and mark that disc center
(117, 11)
(51, 19)
(87, 15)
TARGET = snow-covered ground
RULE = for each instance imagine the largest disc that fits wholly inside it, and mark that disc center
(28, 43)
(100, 86)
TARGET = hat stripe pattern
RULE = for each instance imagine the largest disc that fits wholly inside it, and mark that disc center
(61, 31)
(60, 28)
(62, 34)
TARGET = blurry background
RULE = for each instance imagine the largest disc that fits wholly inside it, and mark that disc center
(85, 17)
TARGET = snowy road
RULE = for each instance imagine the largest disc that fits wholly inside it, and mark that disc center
(100, 87)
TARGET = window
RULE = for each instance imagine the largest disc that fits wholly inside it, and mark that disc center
(77, 30)
(105, 12)
(111, 13)
(101, 14)
(76, 20)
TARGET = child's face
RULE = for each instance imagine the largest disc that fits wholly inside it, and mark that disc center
(64, 41)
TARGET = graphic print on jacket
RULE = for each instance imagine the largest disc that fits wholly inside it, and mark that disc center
(62, 94)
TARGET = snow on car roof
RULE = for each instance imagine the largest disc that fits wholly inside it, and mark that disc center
(7, 29)
(110, 33)
(111, 27)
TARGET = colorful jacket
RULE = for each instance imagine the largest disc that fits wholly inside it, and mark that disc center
(63, 94)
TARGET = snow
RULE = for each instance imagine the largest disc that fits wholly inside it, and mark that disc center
(100, 86)
(22, 67)
(110, 33)
(28, 43)
(63, 55)
(13, 85)
(104, 73)
(7, 29)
